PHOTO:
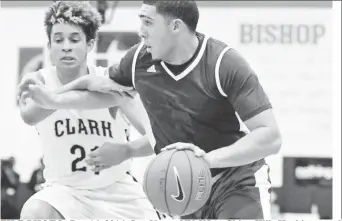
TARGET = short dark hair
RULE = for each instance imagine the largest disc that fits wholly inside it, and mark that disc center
(186, 10)
(77, 13)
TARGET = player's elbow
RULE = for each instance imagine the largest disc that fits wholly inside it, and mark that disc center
(29, 116)
(276, 140)
(28, 119)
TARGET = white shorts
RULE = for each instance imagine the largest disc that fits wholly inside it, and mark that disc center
(124, 199)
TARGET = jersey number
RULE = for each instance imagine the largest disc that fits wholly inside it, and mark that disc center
(82, 152)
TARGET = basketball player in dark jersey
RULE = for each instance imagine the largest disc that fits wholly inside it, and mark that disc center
(200, 94)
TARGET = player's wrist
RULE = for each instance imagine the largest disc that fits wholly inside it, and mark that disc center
(56, 102)
(207, 157)
(139, 147)
(130, 150)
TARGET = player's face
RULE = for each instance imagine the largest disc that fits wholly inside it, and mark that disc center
(155, 32)
(68, 46)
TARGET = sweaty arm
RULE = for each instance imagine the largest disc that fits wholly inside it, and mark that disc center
(29, 111)
(241, 87)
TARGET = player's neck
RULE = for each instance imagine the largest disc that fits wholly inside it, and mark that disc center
(184, 50)
(66, 75)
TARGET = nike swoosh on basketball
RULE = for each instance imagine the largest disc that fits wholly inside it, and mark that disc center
(180, 194)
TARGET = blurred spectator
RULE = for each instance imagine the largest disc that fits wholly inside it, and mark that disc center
(9, 184)
(9, 178)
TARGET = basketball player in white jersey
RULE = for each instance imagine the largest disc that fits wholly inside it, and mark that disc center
(72, 189)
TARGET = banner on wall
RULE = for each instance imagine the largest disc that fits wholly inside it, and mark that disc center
(281, 33)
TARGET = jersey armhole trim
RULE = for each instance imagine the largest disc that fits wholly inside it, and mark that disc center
(135, 57)
(217, 71)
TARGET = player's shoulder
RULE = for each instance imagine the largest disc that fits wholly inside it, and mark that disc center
(217, 52)
(138, 51)
(137, 54)
(131, 52)
(225, 55)
(142, 56)
(222, 49)
(215, 46)
(225, 62)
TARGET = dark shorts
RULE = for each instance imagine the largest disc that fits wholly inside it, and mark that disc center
(239, 193)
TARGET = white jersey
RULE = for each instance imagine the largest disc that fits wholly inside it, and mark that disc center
(68, 136)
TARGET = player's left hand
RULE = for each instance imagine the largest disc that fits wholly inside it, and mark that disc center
(29, 79)
(108, 155)
(185, 146)
(42, 96)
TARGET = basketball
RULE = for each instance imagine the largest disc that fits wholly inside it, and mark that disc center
(177, 182)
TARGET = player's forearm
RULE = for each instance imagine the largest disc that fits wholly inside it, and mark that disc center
(134, 110)
(258, 144)
(140, 147)
(78, 84)
(32, 114)
(86, 100)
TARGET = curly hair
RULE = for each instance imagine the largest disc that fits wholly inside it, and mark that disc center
(79, 13)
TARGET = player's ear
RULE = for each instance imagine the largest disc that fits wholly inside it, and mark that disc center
(176, 25)
(90, 45)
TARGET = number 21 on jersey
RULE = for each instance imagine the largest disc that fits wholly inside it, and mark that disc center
(79, 150)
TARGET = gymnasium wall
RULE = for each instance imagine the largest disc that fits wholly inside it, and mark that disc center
(289, 48)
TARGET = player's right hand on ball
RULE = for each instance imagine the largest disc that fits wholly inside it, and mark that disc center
(185, 146)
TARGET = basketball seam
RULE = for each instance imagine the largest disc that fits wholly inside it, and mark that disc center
(146, 178)
(167, 170)
(145, 184)
(187, 204)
